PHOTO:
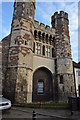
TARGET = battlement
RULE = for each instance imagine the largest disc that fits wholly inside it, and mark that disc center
(60, 14)
(43, 26)
(36, 23)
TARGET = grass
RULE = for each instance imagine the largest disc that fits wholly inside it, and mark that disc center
(52, 105)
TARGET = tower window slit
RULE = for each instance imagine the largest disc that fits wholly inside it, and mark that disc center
(27, 11)
(68, 54)
(15, 42)
(63, 88)
(61, 79)
(25, 43)
(53, 52)
(71, 88)
(34, 47)
(22, 88)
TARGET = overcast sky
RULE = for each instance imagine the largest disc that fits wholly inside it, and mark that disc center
(43, 13)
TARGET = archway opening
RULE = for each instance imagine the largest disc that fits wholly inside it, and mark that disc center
(42, 85)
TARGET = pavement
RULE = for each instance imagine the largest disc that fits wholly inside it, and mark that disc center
(52, 114)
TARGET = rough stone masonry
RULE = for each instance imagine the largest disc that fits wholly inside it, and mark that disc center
(36, 58)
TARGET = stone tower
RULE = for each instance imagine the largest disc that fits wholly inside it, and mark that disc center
(36, 58)
(18, 85)
(64, 66)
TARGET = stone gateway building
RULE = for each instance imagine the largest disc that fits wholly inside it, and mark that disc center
(36, 59)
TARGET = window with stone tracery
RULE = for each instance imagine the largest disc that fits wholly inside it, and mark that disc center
(44, 44)
(38, 48)
(47, 51)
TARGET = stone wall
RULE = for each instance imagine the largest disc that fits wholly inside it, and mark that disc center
(23, 85)
(20, 62)
(5, 52)
(10, 83)
(43, 62)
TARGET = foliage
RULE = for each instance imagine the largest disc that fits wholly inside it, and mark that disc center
(44, 105)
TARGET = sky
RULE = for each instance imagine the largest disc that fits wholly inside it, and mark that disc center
(44, 10)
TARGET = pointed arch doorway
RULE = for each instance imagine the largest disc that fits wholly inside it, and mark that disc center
(42, 85)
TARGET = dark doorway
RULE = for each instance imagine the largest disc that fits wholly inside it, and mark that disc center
(42, 85)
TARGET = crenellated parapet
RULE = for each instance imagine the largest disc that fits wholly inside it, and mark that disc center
(43, 27)
(60, 20)
(44, 33)
(61, 24)
(61, 14)
(44, 36)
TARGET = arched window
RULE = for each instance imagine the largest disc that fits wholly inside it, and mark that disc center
(39, 35)
(46, 38)
(53, 42)
(35, 34)
(43, 37)
(61, 79)
(43, 49)
(50, 39)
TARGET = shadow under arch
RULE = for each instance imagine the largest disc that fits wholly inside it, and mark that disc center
(42, 85)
